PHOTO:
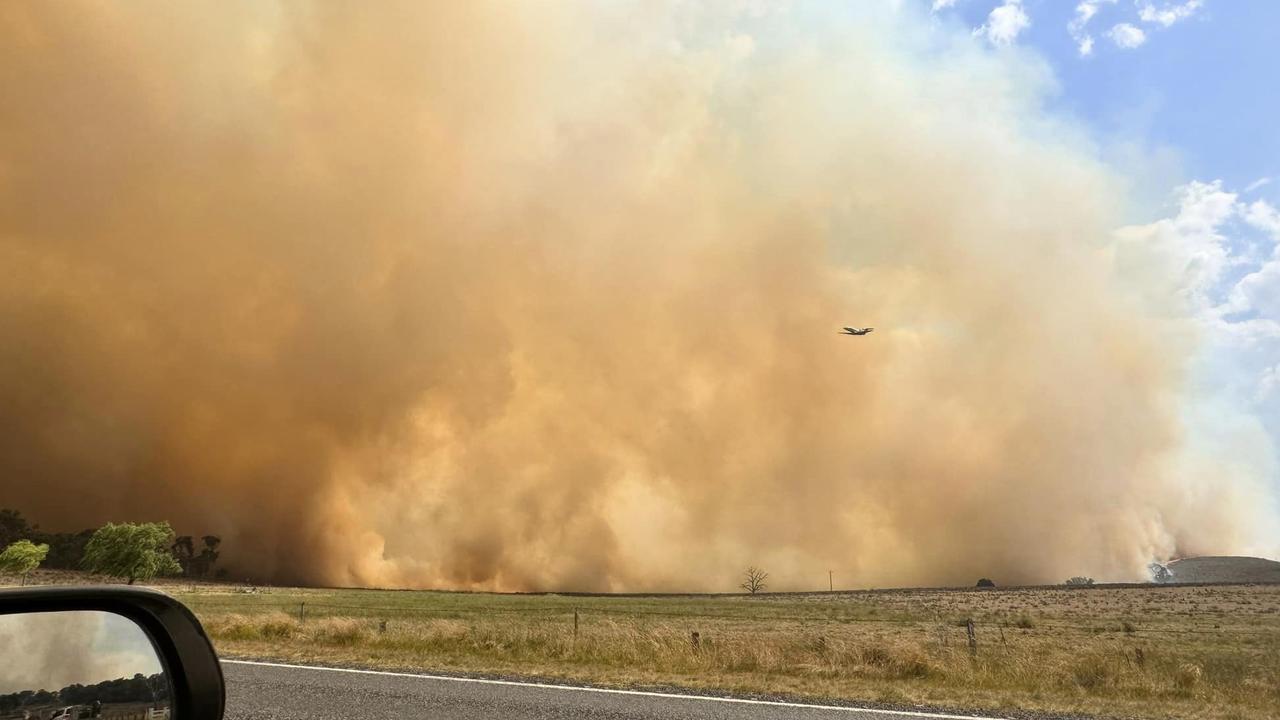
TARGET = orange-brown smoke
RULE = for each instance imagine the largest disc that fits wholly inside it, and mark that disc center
(526, 295)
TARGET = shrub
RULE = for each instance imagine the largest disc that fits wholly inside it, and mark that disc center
(897, 664)
(271, 626)
(876, 656)
(337, 631)
(913, 667)
(1187, 676)
(1091, 672)
(1222, 669)
(986, 583)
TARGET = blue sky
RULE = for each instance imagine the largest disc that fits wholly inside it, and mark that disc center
(1203, 87)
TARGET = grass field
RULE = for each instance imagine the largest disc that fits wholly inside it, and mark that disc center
(1196, 652)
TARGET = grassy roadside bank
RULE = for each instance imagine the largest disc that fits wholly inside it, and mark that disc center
(1196, 652)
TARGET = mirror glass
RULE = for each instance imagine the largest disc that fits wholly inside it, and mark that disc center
(79, 664)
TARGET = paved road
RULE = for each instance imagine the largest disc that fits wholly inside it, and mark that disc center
(265, 691)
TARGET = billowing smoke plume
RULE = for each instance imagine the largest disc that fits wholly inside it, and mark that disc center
(545, 295)
(51, 650)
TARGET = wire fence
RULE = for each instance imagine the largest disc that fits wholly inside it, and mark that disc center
(313, 609)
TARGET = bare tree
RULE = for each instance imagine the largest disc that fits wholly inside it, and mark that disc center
(755, 580)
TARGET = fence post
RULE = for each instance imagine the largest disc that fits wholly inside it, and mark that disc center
(973, 639)
(302, 612)
(575, 625)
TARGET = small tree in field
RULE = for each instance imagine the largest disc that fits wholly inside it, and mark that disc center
(1080, 581)
(134, 551)
(22, 557)
(755, 578)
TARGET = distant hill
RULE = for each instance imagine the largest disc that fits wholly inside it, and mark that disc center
(1225, 570)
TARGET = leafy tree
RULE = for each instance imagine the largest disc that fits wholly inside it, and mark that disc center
(755, 578)
(184, 551)
(202, 564)
(13, 527)
(1080, 581)
(65, 549)
(21, 557)
(986, 583)
(210, 551)
(139, 688)
(193, 564)
(135, 551)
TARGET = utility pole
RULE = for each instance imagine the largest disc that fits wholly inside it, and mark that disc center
(831, 583)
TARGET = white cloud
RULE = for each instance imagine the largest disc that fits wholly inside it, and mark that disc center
(1005, 23)
(1259, 291)
(1169, 14)
(1086, 10)
(1127, 36)
(1257, 184)
(1084, 13)
(1262, 215)
(1188, 252)
(942, 4)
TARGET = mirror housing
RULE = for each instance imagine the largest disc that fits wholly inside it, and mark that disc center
(195, 676)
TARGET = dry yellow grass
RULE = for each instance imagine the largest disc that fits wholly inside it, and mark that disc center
(1196, 652)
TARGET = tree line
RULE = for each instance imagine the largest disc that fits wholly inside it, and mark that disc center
(130, 551)
(137, 689)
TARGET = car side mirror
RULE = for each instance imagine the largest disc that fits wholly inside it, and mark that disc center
(76, 653)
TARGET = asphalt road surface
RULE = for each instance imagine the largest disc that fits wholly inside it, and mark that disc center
(271, 691)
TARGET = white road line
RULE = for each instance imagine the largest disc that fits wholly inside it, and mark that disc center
(612, 691)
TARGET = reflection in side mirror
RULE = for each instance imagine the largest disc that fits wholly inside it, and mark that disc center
(79, 664)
